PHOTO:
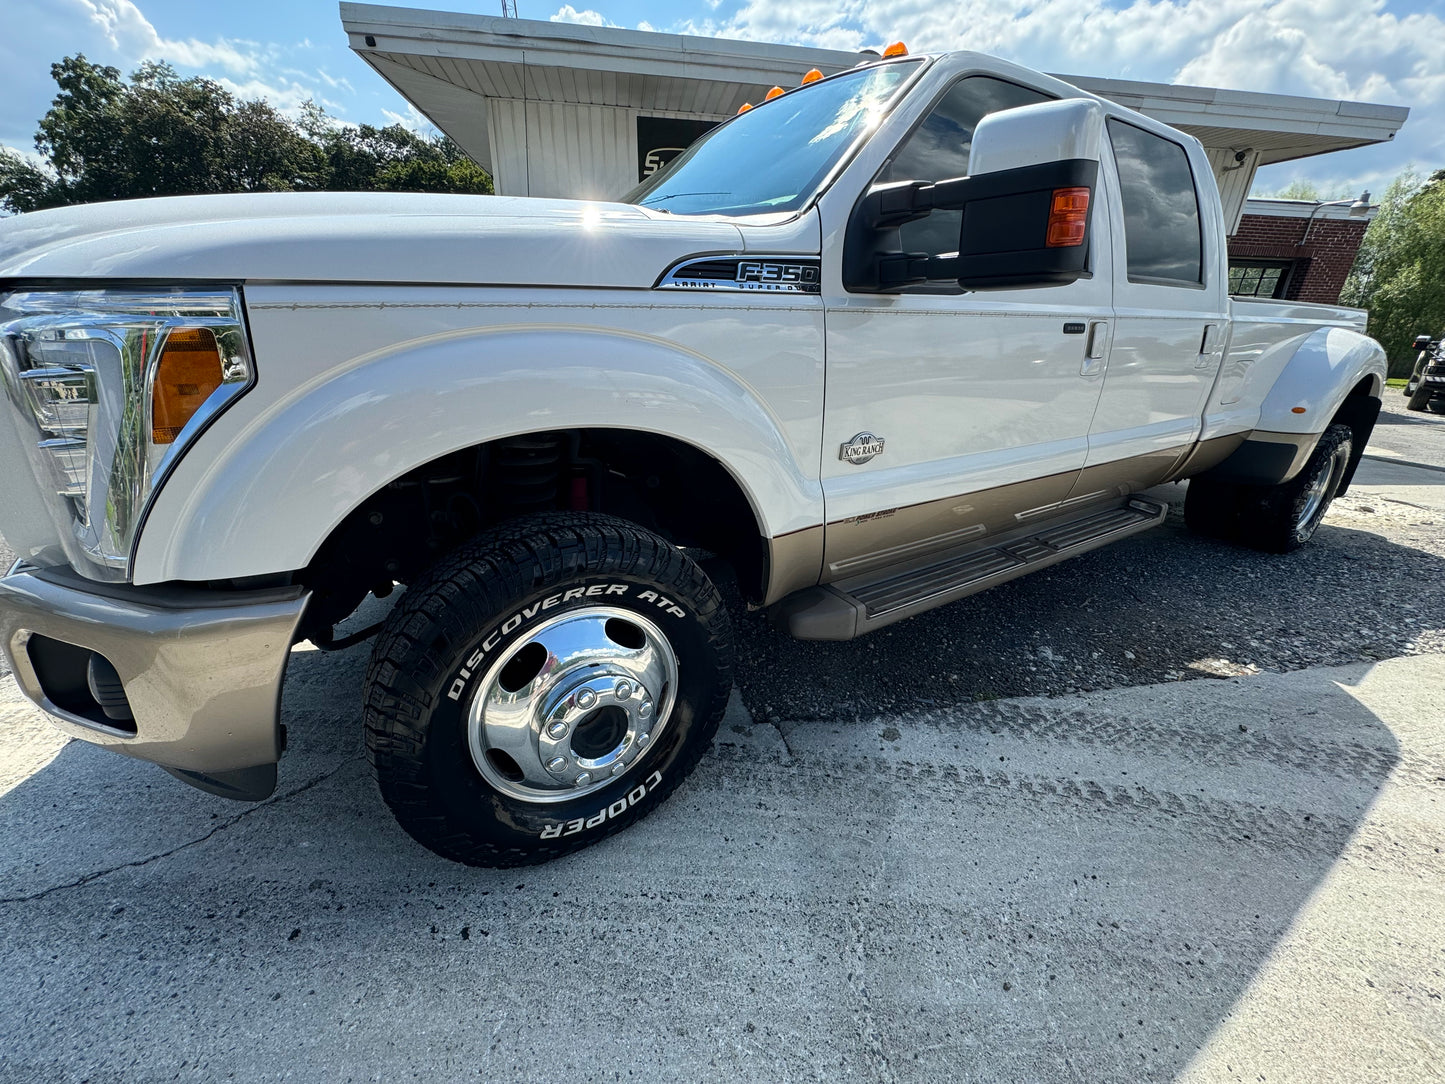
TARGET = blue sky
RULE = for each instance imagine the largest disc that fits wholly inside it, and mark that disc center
(1390, 51)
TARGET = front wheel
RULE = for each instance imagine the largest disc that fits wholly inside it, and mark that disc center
(1419, 398)
(545, 687)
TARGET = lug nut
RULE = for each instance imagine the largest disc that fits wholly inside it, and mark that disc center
(557, 730)
(557, 765)
(586, 698)
(644, 710)
(619, 768)
(583, 779)
(643, 738)
(623, 689)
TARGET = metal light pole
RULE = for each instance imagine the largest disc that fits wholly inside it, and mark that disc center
(1358, 209)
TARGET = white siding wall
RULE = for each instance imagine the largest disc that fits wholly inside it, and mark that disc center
(1233, 183)
(565, 150)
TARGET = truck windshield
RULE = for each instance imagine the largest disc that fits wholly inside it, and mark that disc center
(774, 157)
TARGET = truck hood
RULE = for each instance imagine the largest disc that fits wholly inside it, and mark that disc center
(358, 237)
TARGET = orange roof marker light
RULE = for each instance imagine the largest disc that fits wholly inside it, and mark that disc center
(812, 77)
(776, 92)
(896, 49)
(744, 108)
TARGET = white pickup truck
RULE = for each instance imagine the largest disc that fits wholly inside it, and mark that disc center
(883, 341)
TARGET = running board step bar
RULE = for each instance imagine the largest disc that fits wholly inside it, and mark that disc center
(851, 607)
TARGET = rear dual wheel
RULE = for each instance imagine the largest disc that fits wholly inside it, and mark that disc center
(1277, 519)
(545, 687)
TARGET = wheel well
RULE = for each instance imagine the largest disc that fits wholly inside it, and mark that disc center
(657, 482)
(1359, 411)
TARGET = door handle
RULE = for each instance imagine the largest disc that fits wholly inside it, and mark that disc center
(1208, 346)
(1095, 347)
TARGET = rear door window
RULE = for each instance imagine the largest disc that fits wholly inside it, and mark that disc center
(1161, 207)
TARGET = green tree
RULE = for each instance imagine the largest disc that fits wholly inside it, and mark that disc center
(23, 187)
(397, 160)
(1298, 190)
(1399, 274)
(160, 135)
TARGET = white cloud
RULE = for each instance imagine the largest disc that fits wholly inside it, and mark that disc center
(285, 95)
(117, 32)
(1357, 50)
(28, 154)
(129, 32)
(568, 14)
(413, 119)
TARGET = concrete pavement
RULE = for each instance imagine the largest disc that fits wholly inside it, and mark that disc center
(1210, 880)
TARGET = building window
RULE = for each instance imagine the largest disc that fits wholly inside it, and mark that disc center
(1255, 278)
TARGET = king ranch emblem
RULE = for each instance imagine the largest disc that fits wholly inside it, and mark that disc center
(860, 449)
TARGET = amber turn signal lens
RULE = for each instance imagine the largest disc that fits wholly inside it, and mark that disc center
(812, 77)
(776, 92)
(896, 49)
(745, 107)
(189, 370)
(1068, 218)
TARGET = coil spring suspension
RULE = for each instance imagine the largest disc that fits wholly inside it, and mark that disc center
(527, 473)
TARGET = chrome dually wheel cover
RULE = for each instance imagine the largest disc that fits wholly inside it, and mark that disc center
(573, 705)
(1325, 483)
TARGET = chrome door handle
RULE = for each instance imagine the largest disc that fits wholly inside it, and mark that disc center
(1094, 349)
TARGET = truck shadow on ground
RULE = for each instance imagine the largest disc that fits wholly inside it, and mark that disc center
(1162, 606)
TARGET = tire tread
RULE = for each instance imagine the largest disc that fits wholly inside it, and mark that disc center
(469, 587)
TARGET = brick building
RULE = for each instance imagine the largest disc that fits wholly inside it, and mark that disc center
(1280, 251)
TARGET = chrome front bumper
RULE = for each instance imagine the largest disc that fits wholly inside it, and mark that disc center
(201, 670)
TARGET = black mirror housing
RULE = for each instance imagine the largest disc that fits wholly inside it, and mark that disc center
(1004, 239)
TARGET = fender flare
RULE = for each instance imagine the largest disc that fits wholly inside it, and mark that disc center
(259, 494)
(1319, 377)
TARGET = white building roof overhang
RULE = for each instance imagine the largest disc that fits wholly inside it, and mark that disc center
(450, 65)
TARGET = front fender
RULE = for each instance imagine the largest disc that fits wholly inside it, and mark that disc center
(260, 492)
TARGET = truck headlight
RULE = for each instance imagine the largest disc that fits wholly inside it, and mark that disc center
(108, 387)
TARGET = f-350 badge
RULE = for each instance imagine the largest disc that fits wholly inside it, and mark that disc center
(861, 448)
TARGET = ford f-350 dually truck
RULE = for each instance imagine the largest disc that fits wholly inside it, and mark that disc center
(879, 342)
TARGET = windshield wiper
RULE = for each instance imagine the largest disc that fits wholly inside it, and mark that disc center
(674, 195)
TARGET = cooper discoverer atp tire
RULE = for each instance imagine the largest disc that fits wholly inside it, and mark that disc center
(544, 687)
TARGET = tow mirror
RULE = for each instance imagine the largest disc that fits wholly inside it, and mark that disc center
(1026, 203)
(1026, 217)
